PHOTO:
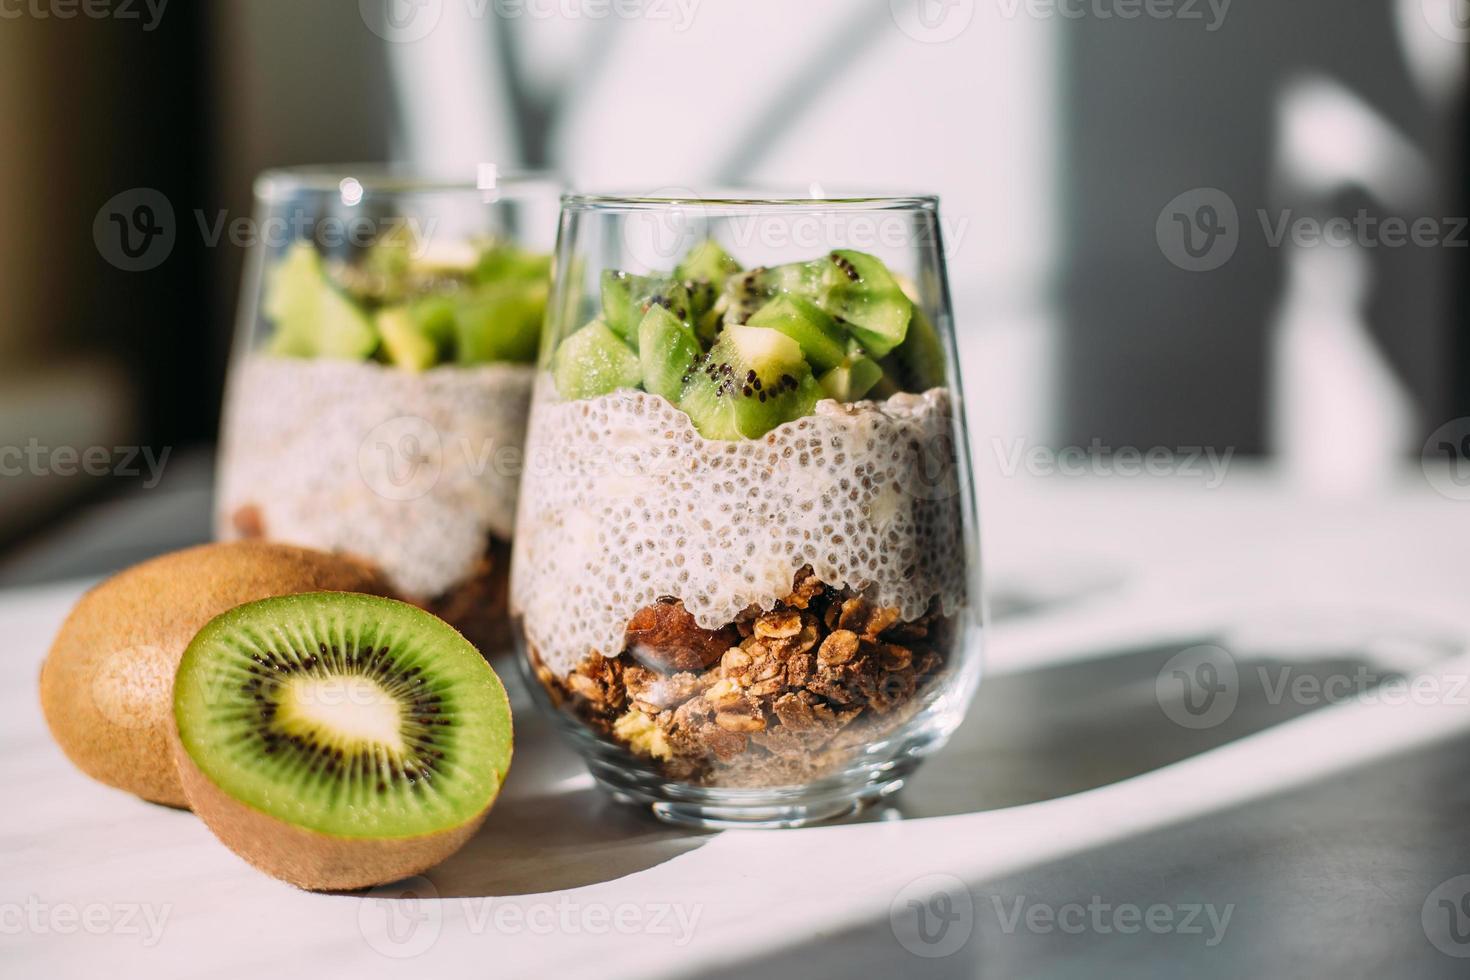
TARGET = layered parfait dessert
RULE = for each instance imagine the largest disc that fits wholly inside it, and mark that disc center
(383, 413)
(741, 554)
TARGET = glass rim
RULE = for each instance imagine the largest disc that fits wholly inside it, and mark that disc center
(739, 199)
(277, 183)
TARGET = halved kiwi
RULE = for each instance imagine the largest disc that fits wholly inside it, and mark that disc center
(339, 741)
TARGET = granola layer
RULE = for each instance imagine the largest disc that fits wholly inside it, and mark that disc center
(631, 504)
(777, 697)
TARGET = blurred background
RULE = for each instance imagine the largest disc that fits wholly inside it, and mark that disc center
(1173, 223)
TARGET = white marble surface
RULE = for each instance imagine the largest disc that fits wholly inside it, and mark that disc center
(561, 882)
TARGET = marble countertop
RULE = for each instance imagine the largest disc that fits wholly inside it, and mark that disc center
(1092, 817)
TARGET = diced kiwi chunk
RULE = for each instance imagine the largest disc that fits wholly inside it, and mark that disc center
(502, 262)
(919, 362)
(852, 379)
(708, 261)
(854, 288)
(594, 361)
(405, 343)
(667, 350)
(500, 321)
(823, 344)
(752, 380)
(311, 318)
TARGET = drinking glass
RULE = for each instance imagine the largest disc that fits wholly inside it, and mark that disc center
(745, 578)
(378, 393)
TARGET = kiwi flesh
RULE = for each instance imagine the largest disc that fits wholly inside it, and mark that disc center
(594, 361)
(500, 321)
(667, 349)
(707, 262)
(752, 380)
(107, 680)
(853, 288)
(339, 741)
(823, 344)
(312, 317)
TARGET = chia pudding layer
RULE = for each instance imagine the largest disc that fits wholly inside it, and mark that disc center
(415, 472)
(742, 613)
(639, 506)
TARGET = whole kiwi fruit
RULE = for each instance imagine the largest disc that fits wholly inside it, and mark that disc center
(106, 685)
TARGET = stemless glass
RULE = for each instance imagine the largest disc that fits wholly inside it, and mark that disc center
(745, 577)
(382, 373)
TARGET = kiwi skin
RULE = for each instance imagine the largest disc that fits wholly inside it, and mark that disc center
(107, 684)
(306, 858)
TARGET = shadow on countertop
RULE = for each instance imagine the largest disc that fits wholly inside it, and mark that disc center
(1029, 737)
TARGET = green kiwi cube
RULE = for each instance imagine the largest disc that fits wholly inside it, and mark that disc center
(864, 295)
(500, 321)
(667, 350)
(852, 379)
(708, 262)
(311, 317)
(752, 380)
(803, 321)
(405, 343)
(594, 361)
(919, 362)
